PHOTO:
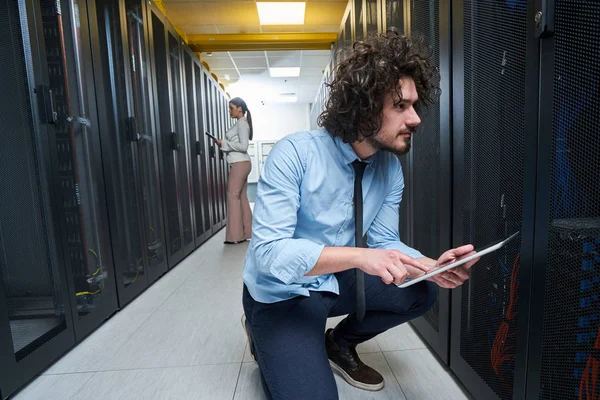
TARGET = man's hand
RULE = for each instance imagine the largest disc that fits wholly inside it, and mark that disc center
(456, 276)
(391, 266)
(219, 142)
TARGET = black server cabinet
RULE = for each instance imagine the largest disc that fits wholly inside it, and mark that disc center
(168, 105)
(212, 151)
(202, 169)
(564, 326)
(196, 148)
(35, 317)
(78, 175)
(429, 175)
(218, 192)
(176, 45)
(392, 14)
(223, 162)
(494, 138)
(128, 144)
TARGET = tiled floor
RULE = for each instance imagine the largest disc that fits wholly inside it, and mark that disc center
(182, 339)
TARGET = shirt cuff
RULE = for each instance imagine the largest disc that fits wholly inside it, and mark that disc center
(296, 260)
(401, 247)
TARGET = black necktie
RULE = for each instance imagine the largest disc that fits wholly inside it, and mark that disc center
(359, 239)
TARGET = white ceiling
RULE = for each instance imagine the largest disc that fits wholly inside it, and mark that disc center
(248, 70)
(249, 73)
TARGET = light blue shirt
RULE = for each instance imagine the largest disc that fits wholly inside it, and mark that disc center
(304, 203)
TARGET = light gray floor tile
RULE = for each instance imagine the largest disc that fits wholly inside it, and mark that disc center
(247, 355)
(369, 346)
(158, 293)
(53, 387)
(211, 382)
(249, 386)
(422, 377)
(402, 337)
(184, 338)
(102, 345)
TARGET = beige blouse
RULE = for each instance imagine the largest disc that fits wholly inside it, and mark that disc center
(235, 142)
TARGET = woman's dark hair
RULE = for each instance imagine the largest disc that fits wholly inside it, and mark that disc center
(360, 83)
(238, 102)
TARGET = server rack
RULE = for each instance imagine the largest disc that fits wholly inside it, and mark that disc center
(169, 111)
(222, 107)
(212, 109)
(429, 175)
(564, 326)
(494, 132)
(212, 150)
(35, 316)
(203, 180)
(67, 63)
(128, 144)
(196, 148)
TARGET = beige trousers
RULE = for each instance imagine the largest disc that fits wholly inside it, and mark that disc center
(239, 215)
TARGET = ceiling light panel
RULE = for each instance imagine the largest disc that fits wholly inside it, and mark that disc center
(279, 13)
(287, 72)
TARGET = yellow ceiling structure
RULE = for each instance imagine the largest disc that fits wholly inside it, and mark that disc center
(241, 16)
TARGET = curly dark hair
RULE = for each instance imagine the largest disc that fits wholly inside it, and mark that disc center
(357, 93)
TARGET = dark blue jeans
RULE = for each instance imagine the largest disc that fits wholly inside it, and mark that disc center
(289, 340)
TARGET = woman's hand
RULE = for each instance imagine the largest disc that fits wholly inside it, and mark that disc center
(455, 276)
(219, 142)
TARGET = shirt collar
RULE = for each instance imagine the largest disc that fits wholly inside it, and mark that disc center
(348, 154)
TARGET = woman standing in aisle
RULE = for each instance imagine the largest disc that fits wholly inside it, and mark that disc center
(235, 145)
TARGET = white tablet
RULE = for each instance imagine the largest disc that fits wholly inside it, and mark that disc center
(488, 249)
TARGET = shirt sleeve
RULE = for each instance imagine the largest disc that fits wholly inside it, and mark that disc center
(240, 141)
(276, 251)
(383, 232)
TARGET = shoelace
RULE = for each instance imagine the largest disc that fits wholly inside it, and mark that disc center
(352, 357)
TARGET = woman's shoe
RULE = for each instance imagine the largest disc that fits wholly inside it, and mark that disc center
(239, 241)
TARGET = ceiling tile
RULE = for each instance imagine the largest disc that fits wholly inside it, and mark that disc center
(218, 54)
(311, 72)
(221, 72)
(199, 29)
(282, 62)
(283, 54)
(315, 61)
(219, 63)
(282, 28)
(322, 53)
(251, 62)
(247, 54)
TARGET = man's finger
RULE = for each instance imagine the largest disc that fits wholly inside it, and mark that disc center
(463, 250)
(411, 261)
(398, 272)
(386, 277)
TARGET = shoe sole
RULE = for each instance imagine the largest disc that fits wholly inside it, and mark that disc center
(248, 336)
(356, 384)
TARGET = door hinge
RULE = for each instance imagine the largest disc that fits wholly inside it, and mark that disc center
(544, 18)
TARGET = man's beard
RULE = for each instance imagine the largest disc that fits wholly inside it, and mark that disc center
(381, 145)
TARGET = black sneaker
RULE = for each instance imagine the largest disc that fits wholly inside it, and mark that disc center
(250, 344)
(345, 361)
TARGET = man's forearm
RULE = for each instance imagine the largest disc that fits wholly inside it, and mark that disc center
(336, 259)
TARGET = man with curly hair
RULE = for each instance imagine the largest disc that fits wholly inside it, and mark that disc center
(304, 264)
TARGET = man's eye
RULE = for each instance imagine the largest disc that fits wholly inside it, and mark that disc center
(400, 106)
